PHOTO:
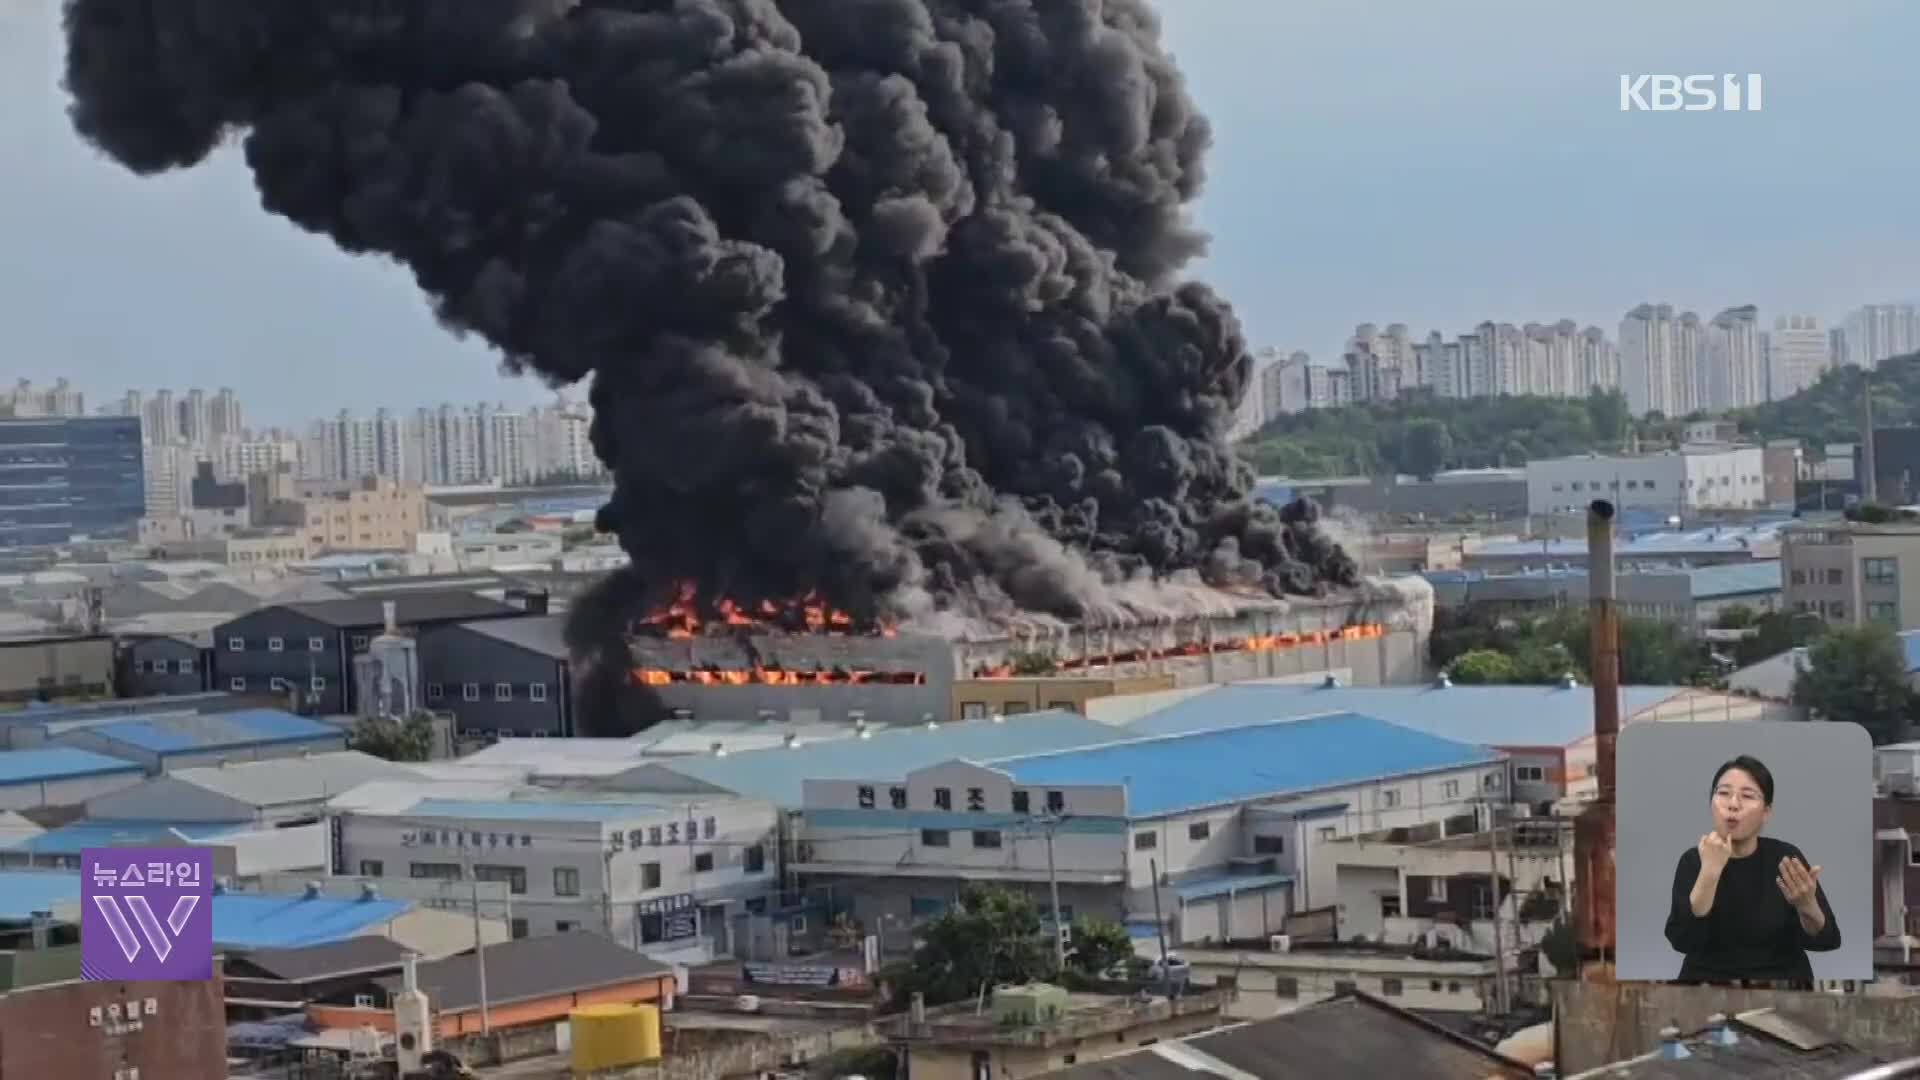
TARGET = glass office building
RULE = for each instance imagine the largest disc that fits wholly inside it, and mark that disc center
(67, 478)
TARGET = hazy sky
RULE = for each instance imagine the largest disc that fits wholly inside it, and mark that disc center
(1375, 160)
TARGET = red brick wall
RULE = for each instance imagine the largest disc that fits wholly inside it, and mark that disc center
(45, 1032)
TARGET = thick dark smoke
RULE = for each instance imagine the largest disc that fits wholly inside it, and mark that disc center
(877, 297)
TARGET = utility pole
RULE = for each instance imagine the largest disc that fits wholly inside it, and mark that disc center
(1493, 886)
(1051, 822)
(479, 950)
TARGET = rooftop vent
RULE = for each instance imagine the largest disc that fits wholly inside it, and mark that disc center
(790, 740)
(1719, 1032)
(1331, 682)
(999, 718)
(1569, 681)
(1444, 681)
(719, 749)
(313, 890)
(369, 891)
(1671, 1048)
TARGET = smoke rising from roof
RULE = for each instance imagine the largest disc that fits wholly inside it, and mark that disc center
(877, 298)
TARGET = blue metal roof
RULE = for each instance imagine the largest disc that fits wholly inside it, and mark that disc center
(1664, 542)
(776, 774)
(1164, 774)
(533, 810)
(251, 921)
(1481, 715)
(1736, 579)
(58, 763)
(1200, 888)
(23, 892)
(72, 838)
(215, 731)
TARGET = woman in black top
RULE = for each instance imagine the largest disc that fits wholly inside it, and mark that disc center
(1745, 906)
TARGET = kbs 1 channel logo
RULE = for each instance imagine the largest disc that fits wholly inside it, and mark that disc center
(146, 913)
(1690, 93)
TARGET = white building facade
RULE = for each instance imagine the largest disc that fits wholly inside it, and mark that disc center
(1798, 352)
(1674, 482)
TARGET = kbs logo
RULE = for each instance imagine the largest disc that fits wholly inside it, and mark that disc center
(1689, 93)
(146, 913)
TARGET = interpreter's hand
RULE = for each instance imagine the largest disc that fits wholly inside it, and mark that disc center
(1798, 882)
(1714, 852)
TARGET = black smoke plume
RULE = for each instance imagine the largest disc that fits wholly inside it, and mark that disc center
(877, 297)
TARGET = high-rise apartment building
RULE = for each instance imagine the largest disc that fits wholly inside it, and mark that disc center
(1797, 353)
(349, 449)
(28, 401)
(162, 426)
(1878, 331)
(1283, 384)
(225, 420)
(1660, 361)
(1736, 373)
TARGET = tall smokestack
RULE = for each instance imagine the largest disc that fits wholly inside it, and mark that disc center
(1869, 475)
(1593, 831)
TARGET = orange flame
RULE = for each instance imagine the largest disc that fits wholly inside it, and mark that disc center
(1251, 643)
(713, 676)
(682, 616)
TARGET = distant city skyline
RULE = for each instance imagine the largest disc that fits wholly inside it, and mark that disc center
(1370, 165)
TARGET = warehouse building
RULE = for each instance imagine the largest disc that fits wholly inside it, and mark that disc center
(61, 776)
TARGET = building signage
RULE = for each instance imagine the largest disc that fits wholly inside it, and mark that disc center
(461, 838)
(336, 835)
(679, 918)
(813, 975)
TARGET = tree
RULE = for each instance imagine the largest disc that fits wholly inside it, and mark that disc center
(990, 936)
(1775, 633)
(1425, 447)
(395, 740)
(1735, 617)
(1481, 667)
(1858, 675)
(1098, 945)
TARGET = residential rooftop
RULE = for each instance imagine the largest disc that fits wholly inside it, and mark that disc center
(1164, 774)
(59, 763)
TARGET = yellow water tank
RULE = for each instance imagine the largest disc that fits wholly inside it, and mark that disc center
(613, 1036)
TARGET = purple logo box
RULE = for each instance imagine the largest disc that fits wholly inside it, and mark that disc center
(146, 913)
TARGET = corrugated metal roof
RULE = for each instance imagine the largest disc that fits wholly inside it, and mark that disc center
(1698, 541)
(249, 921)
(543, 634)
(72, 838)
(776, 775)
(1481, 715)
(533, 810)
(1164, 774)
(23, 892)
(277, 781)
(214, 731)
(58, 763)
(1736, 579)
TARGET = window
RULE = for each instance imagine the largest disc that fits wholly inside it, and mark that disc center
(1389, 905)
(1326, 832)
(1799, 577)
(1530, 774)
(1880, 571)
(933, 837)
(754, 860)
(537, 691)
(315, 644)
(471, 691)
(566, 881)
(514, 876)
(519, 927)
(1885, 611)
(1269, 845)
(502, 691)
(1022, 802)
(185, 665)
(709, 827)
(237, 683)
(1450, 789)
(372, 868)
(1836, 576)
(1286, 986)
(1387, 798)
(943, 798)
(865, 796)
(561, 926)
(650, 875)
(1056, 802)
(434, 871)
(1495, 781)
(139, 667)
(1437, 890)
(986, 838)
(1390, 987)
(703, 862)
(1145, 841)
(1199, 830)
(275, 644)
(973, 710)
(1836, 609)
(359, 641)
(236, 644)
(435, 691)
(318, 684)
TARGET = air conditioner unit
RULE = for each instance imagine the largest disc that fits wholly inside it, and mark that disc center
(1280, 943)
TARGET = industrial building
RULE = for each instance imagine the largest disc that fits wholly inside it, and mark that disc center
(1692, 597)
(1212, 828)
(801, 678)
(1850, 573)
(1709, 546)
(61, 776)
(501, 678)
(166, 741)
(668, 876)
(40, 669)
(306, 650)
(1680, 482)
(65, 479)
(272, 793)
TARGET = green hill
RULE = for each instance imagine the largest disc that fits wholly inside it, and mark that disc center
(1420, 434)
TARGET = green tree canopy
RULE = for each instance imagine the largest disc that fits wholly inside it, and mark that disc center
(1481, 667)
(991, 936)
(395, 740)
(1427, 445)
(1098, 944)
(1858, 675)
(1545, 648)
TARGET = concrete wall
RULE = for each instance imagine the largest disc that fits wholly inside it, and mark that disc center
(1599, 1023)
(55, 667)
